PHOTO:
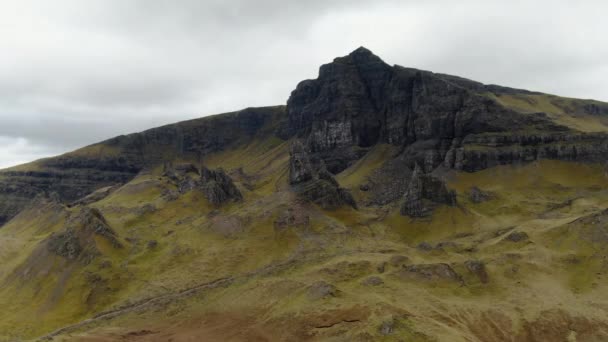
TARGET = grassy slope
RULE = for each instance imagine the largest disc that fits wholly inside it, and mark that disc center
(565, 111)
(273, 268)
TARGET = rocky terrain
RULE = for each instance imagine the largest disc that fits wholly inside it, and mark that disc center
(382, 203)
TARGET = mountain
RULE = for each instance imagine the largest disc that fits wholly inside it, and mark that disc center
(381, 203)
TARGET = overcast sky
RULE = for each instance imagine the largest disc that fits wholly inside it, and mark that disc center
(76, 72)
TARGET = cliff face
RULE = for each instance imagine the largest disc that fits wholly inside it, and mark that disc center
(116, 161)
(358, 101)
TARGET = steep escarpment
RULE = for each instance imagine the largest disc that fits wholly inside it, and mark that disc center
(115, 161)
(358, 101)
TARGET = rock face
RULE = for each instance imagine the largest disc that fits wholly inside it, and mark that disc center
(77, 241)
(423, 193)
(358, 101)
(311, 180)
(216, 185)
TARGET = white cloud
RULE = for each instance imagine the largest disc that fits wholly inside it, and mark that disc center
(75, 72)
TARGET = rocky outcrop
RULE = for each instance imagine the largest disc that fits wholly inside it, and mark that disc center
(424, 192)
(438, 271)
(311, 180)
(216, 185)
(77, 241)
(321, 290)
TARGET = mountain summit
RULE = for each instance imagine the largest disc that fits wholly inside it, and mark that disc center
(380, 203)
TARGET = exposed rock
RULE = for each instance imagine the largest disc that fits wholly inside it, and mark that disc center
(477, 268)
(310, 180)
(381, 267)
(476, 195)
(399, 260)
(300, 167)
(152, 244)
(517, 236)
(425, 246)
(424, 192)
(439, 271)
(387, 327)
(95, 196)
(91, 220)
(218, 187)
(358, 101)
(77, 240)
(344, 271)
(372, 281)
(320, 290)
(65, 244)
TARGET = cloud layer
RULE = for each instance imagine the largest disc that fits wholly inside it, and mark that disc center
(75, 72)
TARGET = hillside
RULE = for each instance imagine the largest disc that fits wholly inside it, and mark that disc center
(382, 203)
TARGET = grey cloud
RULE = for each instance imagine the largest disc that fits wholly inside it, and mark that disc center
(73, 73)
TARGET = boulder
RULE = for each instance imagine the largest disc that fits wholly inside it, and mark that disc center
(517, 236)
(372, 281)
(478, 268)
(321, 290)
(439, 271)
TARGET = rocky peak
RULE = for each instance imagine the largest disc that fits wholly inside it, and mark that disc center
(358, 101)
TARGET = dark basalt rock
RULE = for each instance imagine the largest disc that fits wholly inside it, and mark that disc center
(77, 241)
(517, 237)
(424, 192)
(95, 196)
(372, 281)
(438, 271)
(321, 290)
(476, 195)
(311, 180)
(216, 185)
(478, 268)
(65, 244)
(358, 101)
